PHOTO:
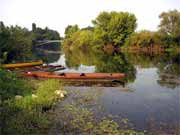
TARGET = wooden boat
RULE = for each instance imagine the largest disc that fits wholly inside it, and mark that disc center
(48, 68)
(53, 69)
(75, 76)
(52, 66)
(22, 65)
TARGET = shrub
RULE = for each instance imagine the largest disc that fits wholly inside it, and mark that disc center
(28, 114)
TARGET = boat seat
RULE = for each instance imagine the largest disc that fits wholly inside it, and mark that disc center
(82, 74)
(62, 74)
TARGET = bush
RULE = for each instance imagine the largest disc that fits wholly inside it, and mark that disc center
(11, 85)
(27, 114)
(80, 39)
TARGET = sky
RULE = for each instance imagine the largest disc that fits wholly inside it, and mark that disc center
(58, 14)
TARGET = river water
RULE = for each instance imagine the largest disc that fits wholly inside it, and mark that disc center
(151, 97)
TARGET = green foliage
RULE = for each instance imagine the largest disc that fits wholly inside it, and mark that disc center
(110, 127)
(77, 118)
(142, 38)
(88, 28)
(79, 39)
(33, 27)
(27, 113)
(147, 38)
(107, 127)
(70, 29)
(21, 44)
(170, 27)
(24, 122)
(44, 34)
(16, 43)
(114, 27)
(10, 85)
(46, 92)
(4, 37)
(168, 35)
(170, 24)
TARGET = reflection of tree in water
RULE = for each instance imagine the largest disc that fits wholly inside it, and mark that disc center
(48, 57)
(76, 57)
(43, 54)
(169, 70)
(115, 62)
(144, 60)
(170, 64)
(167, 64)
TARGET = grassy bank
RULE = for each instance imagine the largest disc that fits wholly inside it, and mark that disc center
(26, 105)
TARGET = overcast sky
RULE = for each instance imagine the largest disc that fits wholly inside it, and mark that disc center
(57, 14)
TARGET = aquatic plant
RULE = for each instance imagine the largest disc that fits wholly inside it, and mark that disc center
(75, 116)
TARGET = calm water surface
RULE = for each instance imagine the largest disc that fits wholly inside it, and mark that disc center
(152, 95)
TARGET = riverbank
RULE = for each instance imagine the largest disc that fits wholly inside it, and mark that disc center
(26, 105)
(147, 49)
(138, 49)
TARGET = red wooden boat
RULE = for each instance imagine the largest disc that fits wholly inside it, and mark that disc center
(76, 76)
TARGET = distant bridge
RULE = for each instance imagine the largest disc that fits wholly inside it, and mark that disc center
(47, 42)
(48, 51)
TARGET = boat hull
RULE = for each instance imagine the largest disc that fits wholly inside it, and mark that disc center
(76, 76)
(22, 65)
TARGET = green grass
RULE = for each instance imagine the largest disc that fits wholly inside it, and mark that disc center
(11, 85)
(29, 114)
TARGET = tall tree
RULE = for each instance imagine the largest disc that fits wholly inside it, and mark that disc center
(4, 44)
(70, 29)
(33, 27)
(170, 24)
(114, 27)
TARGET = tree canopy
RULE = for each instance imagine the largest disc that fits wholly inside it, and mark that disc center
(80, 39)
(170, 27)
(109, 28)
(114, 27)
(70, 29)
(16, 43)
(142, 38)
(170, 23)
(44, 34)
